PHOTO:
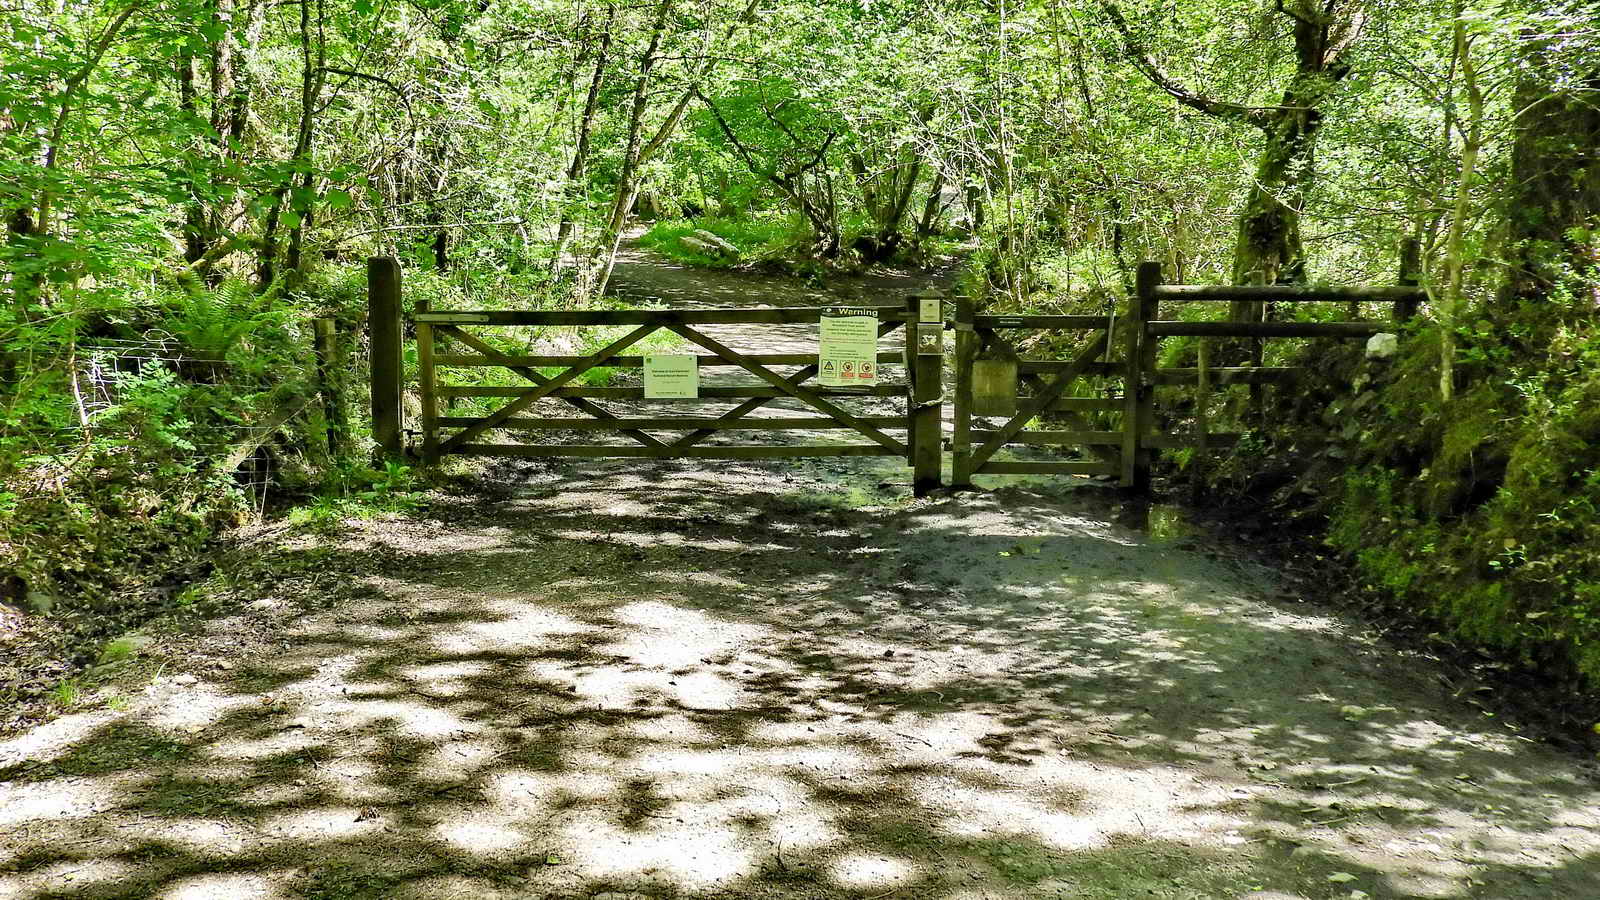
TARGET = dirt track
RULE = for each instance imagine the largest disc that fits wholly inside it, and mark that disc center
(783, 680)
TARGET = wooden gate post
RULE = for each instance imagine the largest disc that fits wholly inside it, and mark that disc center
(925, 426)
(1410, 266)
(1138, 393)
(966, 352)
(388, 362)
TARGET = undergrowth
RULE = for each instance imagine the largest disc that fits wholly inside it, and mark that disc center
(141, 420)
(1476, 514)
(756, 239)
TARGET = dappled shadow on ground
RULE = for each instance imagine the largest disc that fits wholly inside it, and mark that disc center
(749, 682)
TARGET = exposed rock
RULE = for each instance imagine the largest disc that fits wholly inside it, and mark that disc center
(714, 240)
(1383, 345)
(699, 246)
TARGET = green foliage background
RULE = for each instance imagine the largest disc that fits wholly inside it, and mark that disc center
(207, 177)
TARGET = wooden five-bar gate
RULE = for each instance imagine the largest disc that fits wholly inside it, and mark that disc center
(445, 340)
(1097, 400)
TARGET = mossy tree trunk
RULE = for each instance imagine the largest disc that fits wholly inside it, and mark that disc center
(1268, 247)
(1554, 205)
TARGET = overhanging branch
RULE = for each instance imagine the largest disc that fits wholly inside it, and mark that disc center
(1145, 62)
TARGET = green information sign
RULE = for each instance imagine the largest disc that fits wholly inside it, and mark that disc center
(671, 377)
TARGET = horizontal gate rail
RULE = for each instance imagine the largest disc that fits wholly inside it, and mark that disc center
(1287, 293)
(601, 451)
(635, 362)
(553, 377)
(1102, 438)
(974, 449)
(792, 315)
(713, 392)
(677, 424)
(1051, 323)
(1265, 329)
(1055, 366)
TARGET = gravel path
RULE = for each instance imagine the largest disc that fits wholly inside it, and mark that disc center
(659, 679)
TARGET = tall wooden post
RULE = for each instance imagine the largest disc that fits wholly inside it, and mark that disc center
(388, 362)
(427, 394)
(1138, 394)
(925, 366)
(966, 352)
(1410, 272)
(330, 380)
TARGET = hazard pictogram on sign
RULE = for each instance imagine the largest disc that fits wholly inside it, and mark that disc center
(847, 346)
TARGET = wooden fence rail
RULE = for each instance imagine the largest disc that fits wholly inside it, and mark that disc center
(445, 342)
(1144, 344)
(1123, 446)
(1113, 423)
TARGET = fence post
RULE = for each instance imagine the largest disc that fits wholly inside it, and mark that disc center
(330, 381)
(388, 363)
(426, 393)
(1410, 267)
(1137, 413)
(925, 365)
(966, 351)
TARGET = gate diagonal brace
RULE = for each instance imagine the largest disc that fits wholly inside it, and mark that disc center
(783, 384)
(1040, 401)
(593, 409)
(540, 392)
(749, 406)
(990, 340)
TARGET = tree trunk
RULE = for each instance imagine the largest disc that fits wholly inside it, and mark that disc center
(605, 250)
(1454, 261)
(931, 208)
(580, 154)
(194, 214)
(312, 59)
(1555, 182)
(1268, 247)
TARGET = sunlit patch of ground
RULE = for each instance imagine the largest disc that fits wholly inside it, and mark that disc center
(1009, 696)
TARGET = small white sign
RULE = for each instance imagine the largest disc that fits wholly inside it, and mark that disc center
(847, 352)
(671, 377)
(931, 310)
